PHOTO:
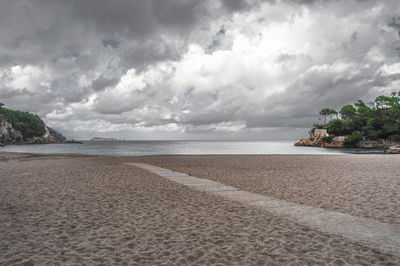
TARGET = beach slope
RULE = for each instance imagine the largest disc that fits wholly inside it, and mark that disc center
(96, 210)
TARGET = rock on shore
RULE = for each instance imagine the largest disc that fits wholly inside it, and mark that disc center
(390, 147)
(309, 142)
(394, 149)
(318, 142)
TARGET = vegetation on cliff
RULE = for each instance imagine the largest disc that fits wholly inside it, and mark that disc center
(379, 120)
(30, 125)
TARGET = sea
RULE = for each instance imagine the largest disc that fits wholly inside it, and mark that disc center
(165, 147)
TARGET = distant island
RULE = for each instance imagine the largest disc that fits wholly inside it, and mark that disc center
(18, 127)
(372, 125)
(102, 139)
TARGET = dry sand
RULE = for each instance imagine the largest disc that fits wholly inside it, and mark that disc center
(95, 210)
(360, 185)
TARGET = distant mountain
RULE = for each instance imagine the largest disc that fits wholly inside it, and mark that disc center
(102, 139)
(18, 127)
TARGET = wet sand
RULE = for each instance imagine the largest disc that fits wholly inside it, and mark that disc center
(96, 210)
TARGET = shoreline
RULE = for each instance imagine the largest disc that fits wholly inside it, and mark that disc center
(140, 148)
(351, 152)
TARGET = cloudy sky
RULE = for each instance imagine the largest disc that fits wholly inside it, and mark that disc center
(193, 69)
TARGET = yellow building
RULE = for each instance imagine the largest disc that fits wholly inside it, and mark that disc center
(320, 133)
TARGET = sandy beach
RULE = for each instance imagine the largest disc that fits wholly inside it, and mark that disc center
(60, 209)
(360, 185)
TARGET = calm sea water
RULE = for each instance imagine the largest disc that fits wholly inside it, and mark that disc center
(132, 148)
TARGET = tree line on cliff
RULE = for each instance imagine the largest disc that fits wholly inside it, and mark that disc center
(377, 121)
(30, 125)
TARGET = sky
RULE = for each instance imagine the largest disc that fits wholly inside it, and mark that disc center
(193, 69)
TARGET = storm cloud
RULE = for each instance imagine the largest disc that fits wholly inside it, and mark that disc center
(194, 69)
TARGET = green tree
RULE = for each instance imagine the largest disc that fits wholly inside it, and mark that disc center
(394, 110)
(28, 124)
(328, 112)
(383, 102)
(353, 138)
(325, 112)
(379, 122)
(348, 111)
(337, 127)
(332, 113)
(362, 116)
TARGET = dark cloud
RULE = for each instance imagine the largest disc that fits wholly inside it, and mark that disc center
(113, 43)
(44, 30)
(237, 5)
(102, 83)
(142, 54)
(7, 93)
(194, 66)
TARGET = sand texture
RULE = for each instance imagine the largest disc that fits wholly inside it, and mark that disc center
(360, 185)
(96, 210)
(367, 232)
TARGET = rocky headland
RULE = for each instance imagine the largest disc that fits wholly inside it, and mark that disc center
(51, 136)
(10, 135)
(320, 138)
(361, 125)
(319, 142)
(390, 147)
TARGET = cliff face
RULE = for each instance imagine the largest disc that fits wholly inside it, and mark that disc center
(51, 136)
(9, 135)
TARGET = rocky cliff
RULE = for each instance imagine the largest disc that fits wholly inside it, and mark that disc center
(391, 147)
(318, 142)
(9, 135)
(395, 149)
(51, 136)
(309, 142)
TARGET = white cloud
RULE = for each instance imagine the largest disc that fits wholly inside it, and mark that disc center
(272, 66)
(30, 78)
